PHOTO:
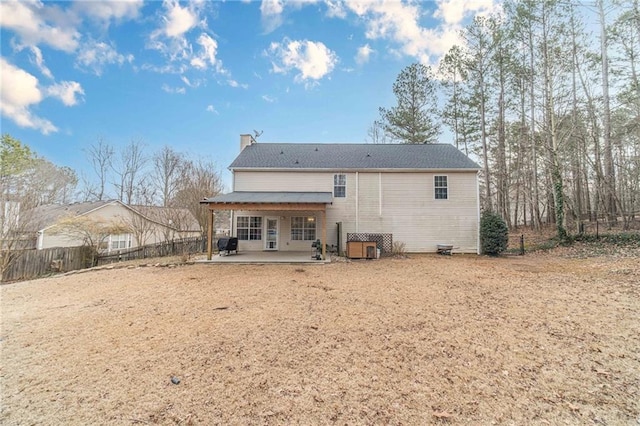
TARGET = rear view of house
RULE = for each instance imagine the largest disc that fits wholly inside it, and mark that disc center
(287, 195)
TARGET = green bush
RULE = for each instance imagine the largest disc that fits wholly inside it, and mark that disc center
(494, 234)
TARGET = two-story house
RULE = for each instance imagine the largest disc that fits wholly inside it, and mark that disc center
(284, 196)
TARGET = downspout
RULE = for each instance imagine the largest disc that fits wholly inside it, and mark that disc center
(357, 207)
(478, 209)
(380, 194)
(232, 215)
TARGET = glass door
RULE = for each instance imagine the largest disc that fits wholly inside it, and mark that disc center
(271, 242)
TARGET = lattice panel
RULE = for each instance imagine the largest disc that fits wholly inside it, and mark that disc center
(384, 242)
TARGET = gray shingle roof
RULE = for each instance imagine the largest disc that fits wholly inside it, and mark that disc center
(272, 197)
(352, 156)
(47, 215)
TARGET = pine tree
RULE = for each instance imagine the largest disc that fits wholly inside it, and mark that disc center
(414, 119)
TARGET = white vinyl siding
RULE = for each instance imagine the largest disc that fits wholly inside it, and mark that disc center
(402, 204)
(284, 181)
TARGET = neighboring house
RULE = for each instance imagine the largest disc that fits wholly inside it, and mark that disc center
(11, 235)
(287, 195)
(141, 224)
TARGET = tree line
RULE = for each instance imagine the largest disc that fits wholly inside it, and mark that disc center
(552, 117)
(166, 178)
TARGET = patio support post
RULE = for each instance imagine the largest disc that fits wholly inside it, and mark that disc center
(323, 213)
(210, 222)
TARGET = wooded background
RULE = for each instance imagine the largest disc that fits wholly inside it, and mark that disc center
(548, 104)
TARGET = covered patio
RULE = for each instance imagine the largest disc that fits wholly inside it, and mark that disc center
(267, 257)
(270, 202)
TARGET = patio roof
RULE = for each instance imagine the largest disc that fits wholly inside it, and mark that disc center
(269, 201)
(270, 197)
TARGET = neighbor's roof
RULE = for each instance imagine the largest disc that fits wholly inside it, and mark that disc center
(272, 197)
(352, 156)
(49, 214)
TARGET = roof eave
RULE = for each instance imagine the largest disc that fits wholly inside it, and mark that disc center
(361, 169)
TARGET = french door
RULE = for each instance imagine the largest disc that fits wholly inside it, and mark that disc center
(271, 240)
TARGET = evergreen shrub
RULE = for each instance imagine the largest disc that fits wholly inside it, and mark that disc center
(494, 234)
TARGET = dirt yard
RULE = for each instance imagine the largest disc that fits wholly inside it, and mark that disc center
(541, 339)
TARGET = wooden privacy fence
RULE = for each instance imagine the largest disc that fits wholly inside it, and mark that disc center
(30, 264)
(167, 248)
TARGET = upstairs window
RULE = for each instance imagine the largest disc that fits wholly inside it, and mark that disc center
(249, 228)
(441, 189)
(340, 185)
(303, 228)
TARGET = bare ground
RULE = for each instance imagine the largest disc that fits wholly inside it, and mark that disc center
(551, 338)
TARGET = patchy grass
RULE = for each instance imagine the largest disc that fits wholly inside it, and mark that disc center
(548, 338)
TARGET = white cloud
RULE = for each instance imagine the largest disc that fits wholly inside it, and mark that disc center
(207, 54)
(454, 11)
(108, 10)
(18, 92)
(234, 83)
(397, 21)
(211, 109)
(37, 59)
(271, 11)
(172, 90)
(95, 55)
(29, 21)
(191, 83)
(313, 60)
(66, 91)
(335, 9)
(268, 98)
(364, 52)
(179, 19)
(400, 22)
(174, 39)
(271, 14)
(171, 37)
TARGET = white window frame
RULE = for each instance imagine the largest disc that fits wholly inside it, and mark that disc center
(305, 230)
(437, 185)
(251, 226)
(337, 184)
(120, 239)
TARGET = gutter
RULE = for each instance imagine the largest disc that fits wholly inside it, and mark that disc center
(353, 170)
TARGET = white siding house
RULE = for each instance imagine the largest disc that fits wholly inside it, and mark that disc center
(139, 225)
(424, 195)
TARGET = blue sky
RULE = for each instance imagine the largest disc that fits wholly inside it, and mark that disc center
(195, 75)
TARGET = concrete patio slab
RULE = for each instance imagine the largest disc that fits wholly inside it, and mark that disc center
(266, 257)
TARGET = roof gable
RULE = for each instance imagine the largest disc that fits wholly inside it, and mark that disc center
(181, 219)
(48, 215)
(352, 156)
